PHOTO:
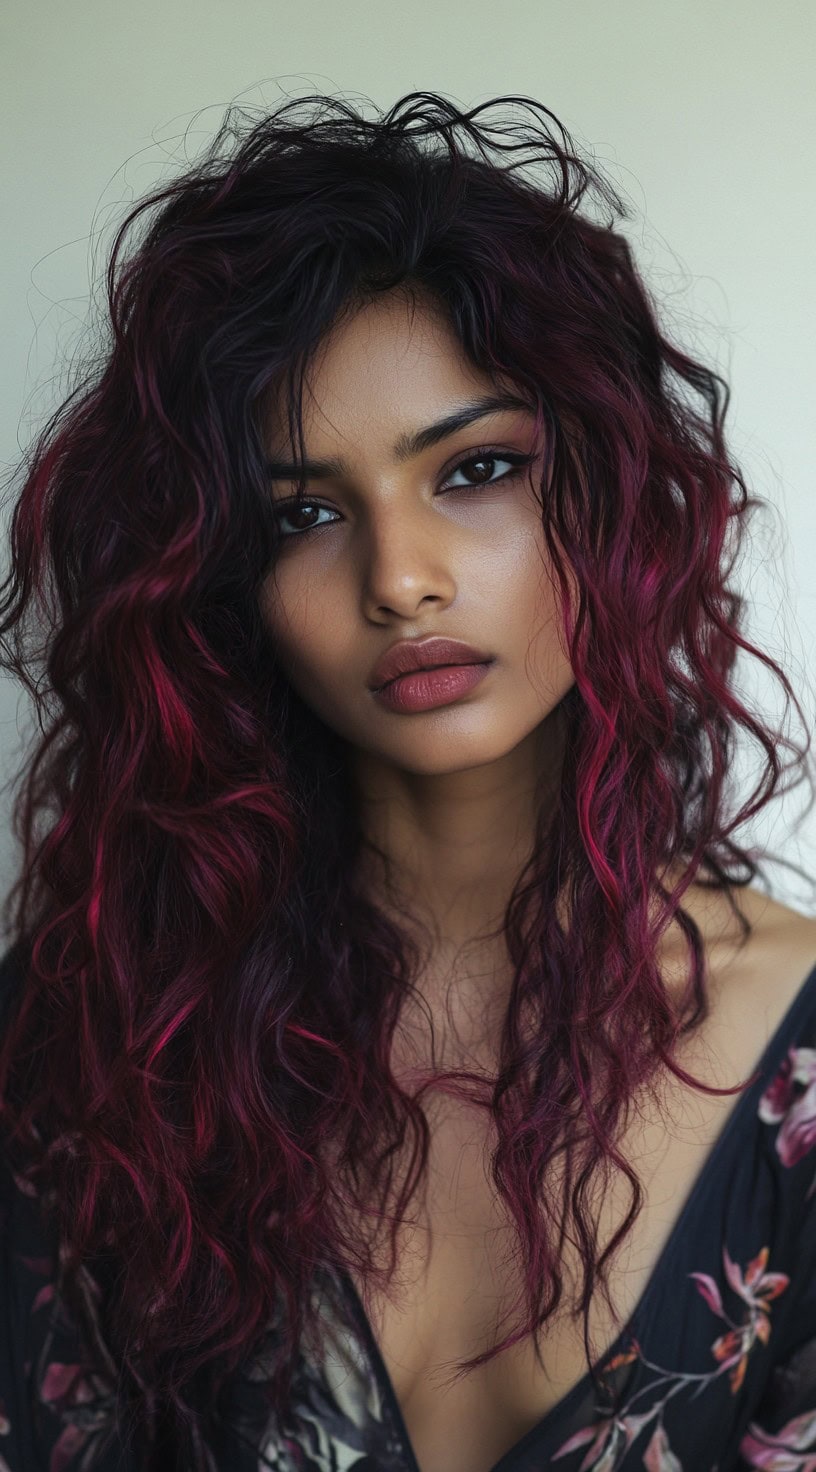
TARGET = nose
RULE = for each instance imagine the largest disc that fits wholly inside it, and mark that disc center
(406, 557)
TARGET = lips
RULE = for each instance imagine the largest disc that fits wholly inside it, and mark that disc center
(409, 655)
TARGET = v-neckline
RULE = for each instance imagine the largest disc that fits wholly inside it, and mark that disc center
(571, 1397)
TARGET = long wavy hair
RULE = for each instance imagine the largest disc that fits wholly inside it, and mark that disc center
(194, 1073)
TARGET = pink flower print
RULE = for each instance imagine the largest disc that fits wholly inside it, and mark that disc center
(790, 1098)
(611, 1439)
(756, 1289)
(775, 1452)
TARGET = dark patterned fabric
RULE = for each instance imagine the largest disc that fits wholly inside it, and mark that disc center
(715, 1371)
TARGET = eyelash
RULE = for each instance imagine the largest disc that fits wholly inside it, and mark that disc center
(519, 462)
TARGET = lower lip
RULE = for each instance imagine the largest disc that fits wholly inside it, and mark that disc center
(426, 689)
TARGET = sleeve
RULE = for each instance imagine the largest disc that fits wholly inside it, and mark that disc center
(56, 1386)
(781, 1432)
(18, 1449)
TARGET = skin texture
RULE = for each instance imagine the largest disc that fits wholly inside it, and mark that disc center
(447, 793)
(404, 549)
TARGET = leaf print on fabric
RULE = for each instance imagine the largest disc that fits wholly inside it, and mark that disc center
(659, 1456)
(776, 1453)
(338, 1419)
(756, 1289)
(609, 1439)
(790, 1101)
(80, 1396)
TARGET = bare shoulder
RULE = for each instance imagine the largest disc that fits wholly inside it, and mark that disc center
(751, 983)
(778, 957)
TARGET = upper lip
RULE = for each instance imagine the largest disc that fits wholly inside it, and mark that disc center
(422, 654)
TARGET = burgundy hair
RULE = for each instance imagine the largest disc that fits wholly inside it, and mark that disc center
(207, 997)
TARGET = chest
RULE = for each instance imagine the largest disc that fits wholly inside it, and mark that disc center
(458, 1284)
(458, 1274)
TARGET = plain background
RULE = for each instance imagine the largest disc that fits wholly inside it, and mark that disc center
(701, 114)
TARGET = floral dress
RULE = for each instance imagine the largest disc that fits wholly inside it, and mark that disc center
(714, 1372)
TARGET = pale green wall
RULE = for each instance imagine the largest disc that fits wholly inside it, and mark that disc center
(703, 112)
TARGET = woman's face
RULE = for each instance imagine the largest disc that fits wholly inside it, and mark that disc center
(405, 546)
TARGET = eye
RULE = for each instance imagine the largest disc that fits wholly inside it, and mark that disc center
(491, 457)
(285, 510)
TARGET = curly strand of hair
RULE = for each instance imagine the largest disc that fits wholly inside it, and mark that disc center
(195, 1021)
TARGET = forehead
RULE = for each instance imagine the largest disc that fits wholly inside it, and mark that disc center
(385, 371)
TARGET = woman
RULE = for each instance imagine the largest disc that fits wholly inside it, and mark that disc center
(400, 1070)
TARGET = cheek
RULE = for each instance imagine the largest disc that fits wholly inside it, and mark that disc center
(288, 604)
(284, 608)
(517, 577)
(305, 623)
(542, 581)
(537, 618)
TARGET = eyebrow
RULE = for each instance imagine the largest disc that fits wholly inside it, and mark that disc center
(409, 444)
